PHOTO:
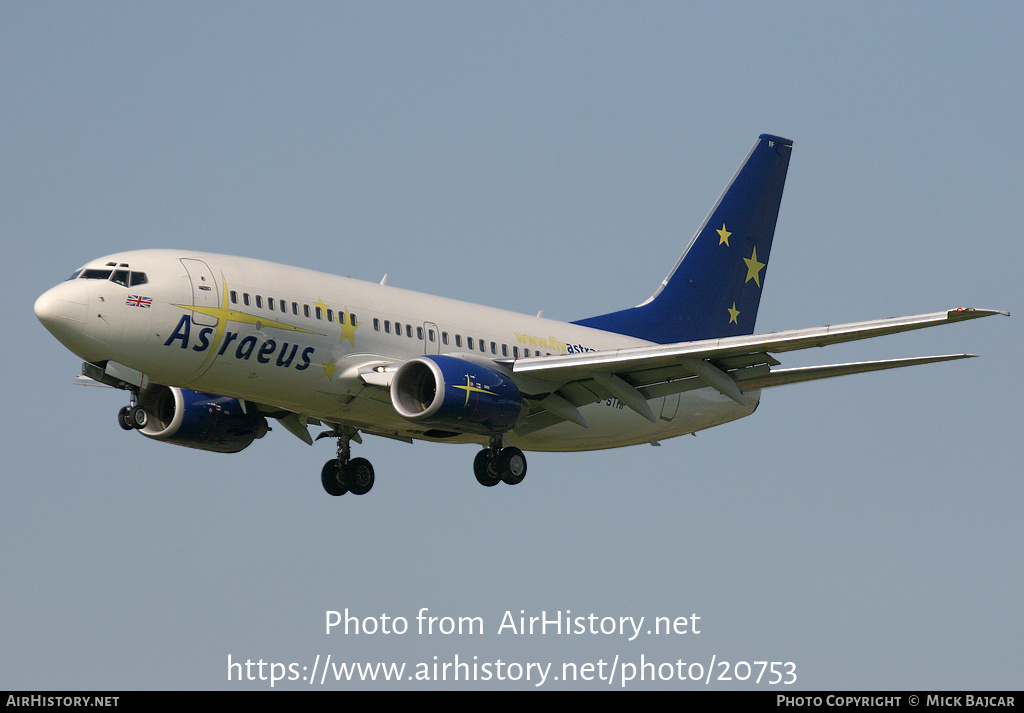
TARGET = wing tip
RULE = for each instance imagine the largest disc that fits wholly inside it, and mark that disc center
(973, 313)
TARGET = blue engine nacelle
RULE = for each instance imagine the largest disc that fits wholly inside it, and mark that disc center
(204, 421)
(454, 394)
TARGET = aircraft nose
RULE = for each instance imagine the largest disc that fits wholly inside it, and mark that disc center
(62, 310)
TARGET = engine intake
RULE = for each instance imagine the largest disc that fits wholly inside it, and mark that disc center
(455, 394)
(196, 420)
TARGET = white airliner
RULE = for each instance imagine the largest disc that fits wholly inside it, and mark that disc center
(210, 346)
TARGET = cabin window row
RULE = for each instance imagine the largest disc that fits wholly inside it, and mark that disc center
(387, 326)
(471, 343)
(397, 328)
(305, 310)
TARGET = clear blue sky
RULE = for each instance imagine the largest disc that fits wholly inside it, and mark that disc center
(553, 156)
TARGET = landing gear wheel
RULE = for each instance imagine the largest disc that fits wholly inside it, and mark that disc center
(485, 468)
(333, 479)
(123, 418)
(345, 474)
(137, 417)
(512, 465)
(359, 476)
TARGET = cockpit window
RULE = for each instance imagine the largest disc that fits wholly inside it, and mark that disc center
(124, 278)
(95, 274)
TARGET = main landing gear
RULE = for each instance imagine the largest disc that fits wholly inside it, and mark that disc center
(496, 464)
(345, 474)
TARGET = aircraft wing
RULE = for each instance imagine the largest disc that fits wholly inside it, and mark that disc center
(730, 365)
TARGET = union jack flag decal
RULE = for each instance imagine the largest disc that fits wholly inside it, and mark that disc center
(138, 301)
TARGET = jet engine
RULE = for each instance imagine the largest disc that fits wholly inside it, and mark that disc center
(449, 393)
(196, 420)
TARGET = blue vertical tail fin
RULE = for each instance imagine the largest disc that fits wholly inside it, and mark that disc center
(715, 288)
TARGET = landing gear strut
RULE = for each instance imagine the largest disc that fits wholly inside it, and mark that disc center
(345, 474)
(494, 464)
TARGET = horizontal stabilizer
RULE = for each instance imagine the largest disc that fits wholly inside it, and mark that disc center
(797, 375)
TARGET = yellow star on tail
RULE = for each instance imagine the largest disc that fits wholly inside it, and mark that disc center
(733, 314)
(723, 236)
(754, 268)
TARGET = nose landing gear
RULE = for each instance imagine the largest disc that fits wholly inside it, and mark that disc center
(133, 416)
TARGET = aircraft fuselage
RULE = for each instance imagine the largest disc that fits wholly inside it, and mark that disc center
(301, 341)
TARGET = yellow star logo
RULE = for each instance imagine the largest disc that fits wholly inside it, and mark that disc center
(469, 388)
(323, 307)
(348, 329)
(225, 314)
(754, 268)
(733, 314)
(329, 369)
(723, 236)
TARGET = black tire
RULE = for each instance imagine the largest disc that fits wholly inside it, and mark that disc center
(124, 419)
(332, 478)
(485, 469)
(359, 476)
(137, 417)
(512, 465)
